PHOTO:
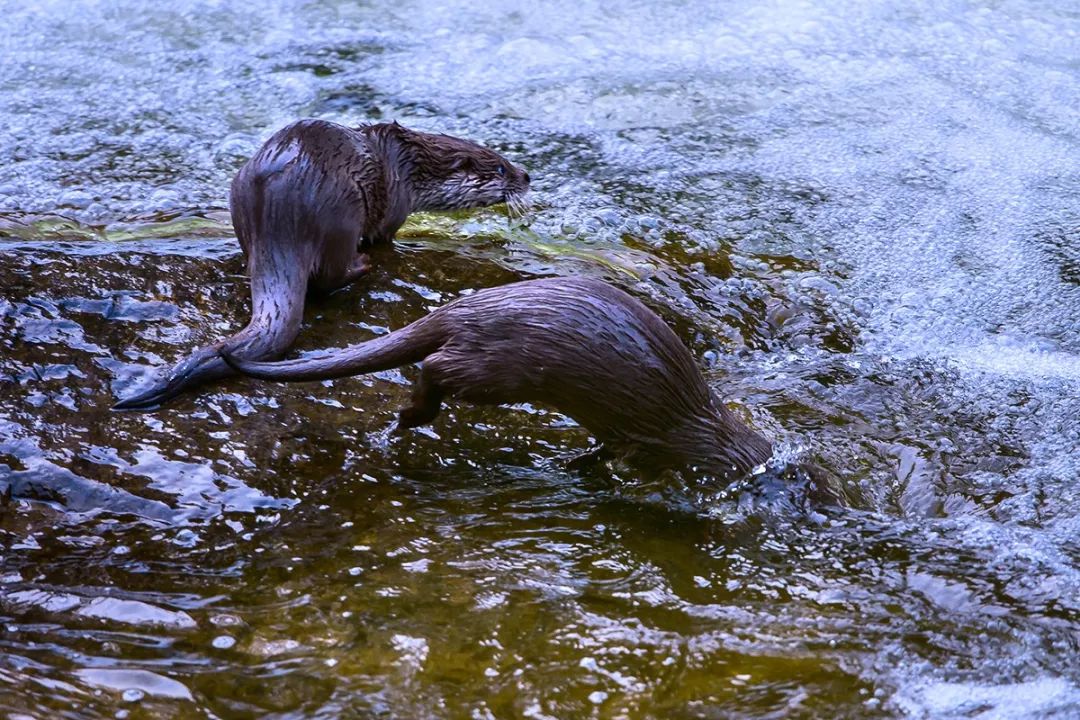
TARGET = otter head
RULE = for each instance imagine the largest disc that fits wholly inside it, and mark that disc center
(449, 173)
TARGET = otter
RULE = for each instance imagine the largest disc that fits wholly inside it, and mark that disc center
(307, 205)
(584, 347)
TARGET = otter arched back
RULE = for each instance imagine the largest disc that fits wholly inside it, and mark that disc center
(582, 346)
(308, 202)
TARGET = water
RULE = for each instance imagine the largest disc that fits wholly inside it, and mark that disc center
(861, 217)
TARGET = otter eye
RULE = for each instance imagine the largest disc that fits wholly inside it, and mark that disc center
(501, 170)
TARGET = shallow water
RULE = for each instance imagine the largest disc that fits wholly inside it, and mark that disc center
(863, 218)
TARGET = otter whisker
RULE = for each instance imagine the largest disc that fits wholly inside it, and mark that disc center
(517, 205)
(512, 207)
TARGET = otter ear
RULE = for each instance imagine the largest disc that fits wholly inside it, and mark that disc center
(463, 163)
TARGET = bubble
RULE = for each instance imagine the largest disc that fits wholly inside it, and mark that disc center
(133, 695)
(223, 642)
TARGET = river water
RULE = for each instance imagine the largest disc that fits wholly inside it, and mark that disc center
(864, 219)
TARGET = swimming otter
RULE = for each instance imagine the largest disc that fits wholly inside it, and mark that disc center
(310, 200)
(580, 345)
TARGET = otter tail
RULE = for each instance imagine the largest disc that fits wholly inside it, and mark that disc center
(275, 231)
(297, 223)
(278, 307)
(410, 344)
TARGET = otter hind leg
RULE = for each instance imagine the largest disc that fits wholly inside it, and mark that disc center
(337, 262)
(427, 400)
(358, 266)
(450, 372)
(361, 266)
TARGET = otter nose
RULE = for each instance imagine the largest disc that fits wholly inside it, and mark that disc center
(527, 179)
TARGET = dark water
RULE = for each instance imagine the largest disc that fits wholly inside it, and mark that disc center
(864, 218)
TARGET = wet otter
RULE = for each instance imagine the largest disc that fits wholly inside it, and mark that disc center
(310, 200)
(580, 345)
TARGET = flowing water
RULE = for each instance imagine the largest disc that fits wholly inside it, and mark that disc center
(864, 219)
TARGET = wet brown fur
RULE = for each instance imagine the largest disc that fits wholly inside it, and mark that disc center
(306, 205)
(580, 345)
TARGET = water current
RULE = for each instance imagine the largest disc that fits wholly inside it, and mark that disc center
(863, 218)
